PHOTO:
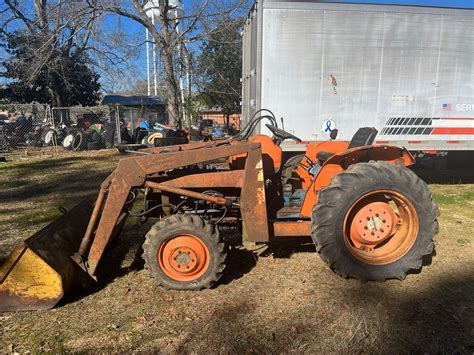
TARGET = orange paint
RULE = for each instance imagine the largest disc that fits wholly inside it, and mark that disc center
(342, 160)
(328, 146)
(269, 148)
(184, 258)
(271, 153)
(311, 157)
(461, 131)
(372, 225)
(323, 179)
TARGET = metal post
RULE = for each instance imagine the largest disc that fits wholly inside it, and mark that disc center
(155, 71)
(188, 80)
(147, 38)
(181, 80)
(117, 125)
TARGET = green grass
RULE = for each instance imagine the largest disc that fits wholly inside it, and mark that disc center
(453, 195)
(43, 216)
(266, 304)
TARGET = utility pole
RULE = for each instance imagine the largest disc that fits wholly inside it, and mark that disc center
(147, 39)
(155, 67)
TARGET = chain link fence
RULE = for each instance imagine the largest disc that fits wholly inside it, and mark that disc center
(131, 120)
(22, 126)
(30, 128)
(26, 128)
(83, 128)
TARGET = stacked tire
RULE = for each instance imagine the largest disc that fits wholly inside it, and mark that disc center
(80, 140)
(48, 136)
(69, 138)
(169, 141)
(52, 136)
(108, 135)
(95, 142)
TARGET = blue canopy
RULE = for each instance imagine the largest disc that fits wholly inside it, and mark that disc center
(120, 100)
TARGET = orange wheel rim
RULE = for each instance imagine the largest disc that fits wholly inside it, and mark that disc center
(184, 258)
(381, 227)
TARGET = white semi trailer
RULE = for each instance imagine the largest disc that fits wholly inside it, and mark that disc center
(406, 70)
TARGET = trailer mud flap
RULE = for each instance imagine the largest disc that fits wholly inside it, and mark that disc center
(39, 272)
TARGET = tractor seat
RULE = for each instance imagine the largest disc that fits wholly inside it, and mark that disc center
(363, 137)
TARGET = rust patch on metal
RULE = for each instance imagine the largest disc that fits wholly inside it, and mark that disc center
(183, 192)
(215, 180)
(253, 201)
(292, 229)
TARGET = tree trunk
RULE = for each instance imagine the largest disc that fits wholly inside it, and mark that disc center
(172, 90)
(55, 95)
(172, 86)
(54, 90)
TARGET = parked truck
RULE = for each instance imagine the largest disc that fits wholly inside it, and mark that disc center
(408, 71)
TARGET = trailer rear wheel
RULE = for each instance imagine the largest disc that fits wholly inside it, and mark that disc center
(184, 252)
(375, 221)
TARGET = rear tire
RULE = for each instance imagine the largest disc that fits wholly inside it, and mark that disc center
(80, 141)
(68, 141)
(184, 252)
(355, 190)
(48, 136)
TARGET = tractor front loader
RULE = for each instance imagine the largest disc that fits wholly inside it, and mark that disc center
(370, 217)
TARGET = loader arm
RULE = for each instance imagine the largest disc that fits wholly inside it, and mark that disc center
(134, 172)
(67, 252)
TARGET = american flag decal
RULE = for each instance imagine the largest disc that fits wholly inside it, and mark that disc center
(447, 107)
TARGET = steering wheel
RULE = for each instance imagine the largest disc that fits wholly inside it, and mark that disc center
(281, 134)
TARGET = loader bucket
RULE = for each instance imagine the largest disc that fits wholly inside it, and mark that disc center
(40, 271)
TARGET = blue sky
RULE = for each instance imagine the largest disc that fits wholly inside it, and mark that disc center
(439, 3)
(138, 33)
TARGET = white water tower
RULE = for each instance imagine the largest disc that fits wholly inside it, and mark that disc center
(152, 9)
(175, 13)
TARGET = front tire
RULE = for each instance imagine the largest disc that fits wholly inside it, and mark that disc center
(184, 252)
(375, 221)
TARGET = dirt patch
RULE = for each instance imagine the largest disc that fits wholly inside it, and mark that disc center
(285, 300)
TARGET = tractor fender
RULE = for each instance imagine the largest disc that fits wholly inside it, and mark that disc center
(341, 161)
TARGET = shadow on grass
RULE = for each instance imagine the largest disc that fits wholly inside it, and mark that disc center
(437, 320)
(41, 164)
(445, 177)
(53, 176)
(238, 263)
(88, 181)
(284, 248)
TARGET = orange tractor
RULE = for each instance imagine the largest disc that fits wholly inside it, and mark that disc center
(370, 217)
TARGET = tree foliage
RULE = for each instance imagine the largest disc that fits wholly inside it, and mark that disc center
(52, 51)
(219, 69)
(171, 33)
(65, 79)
